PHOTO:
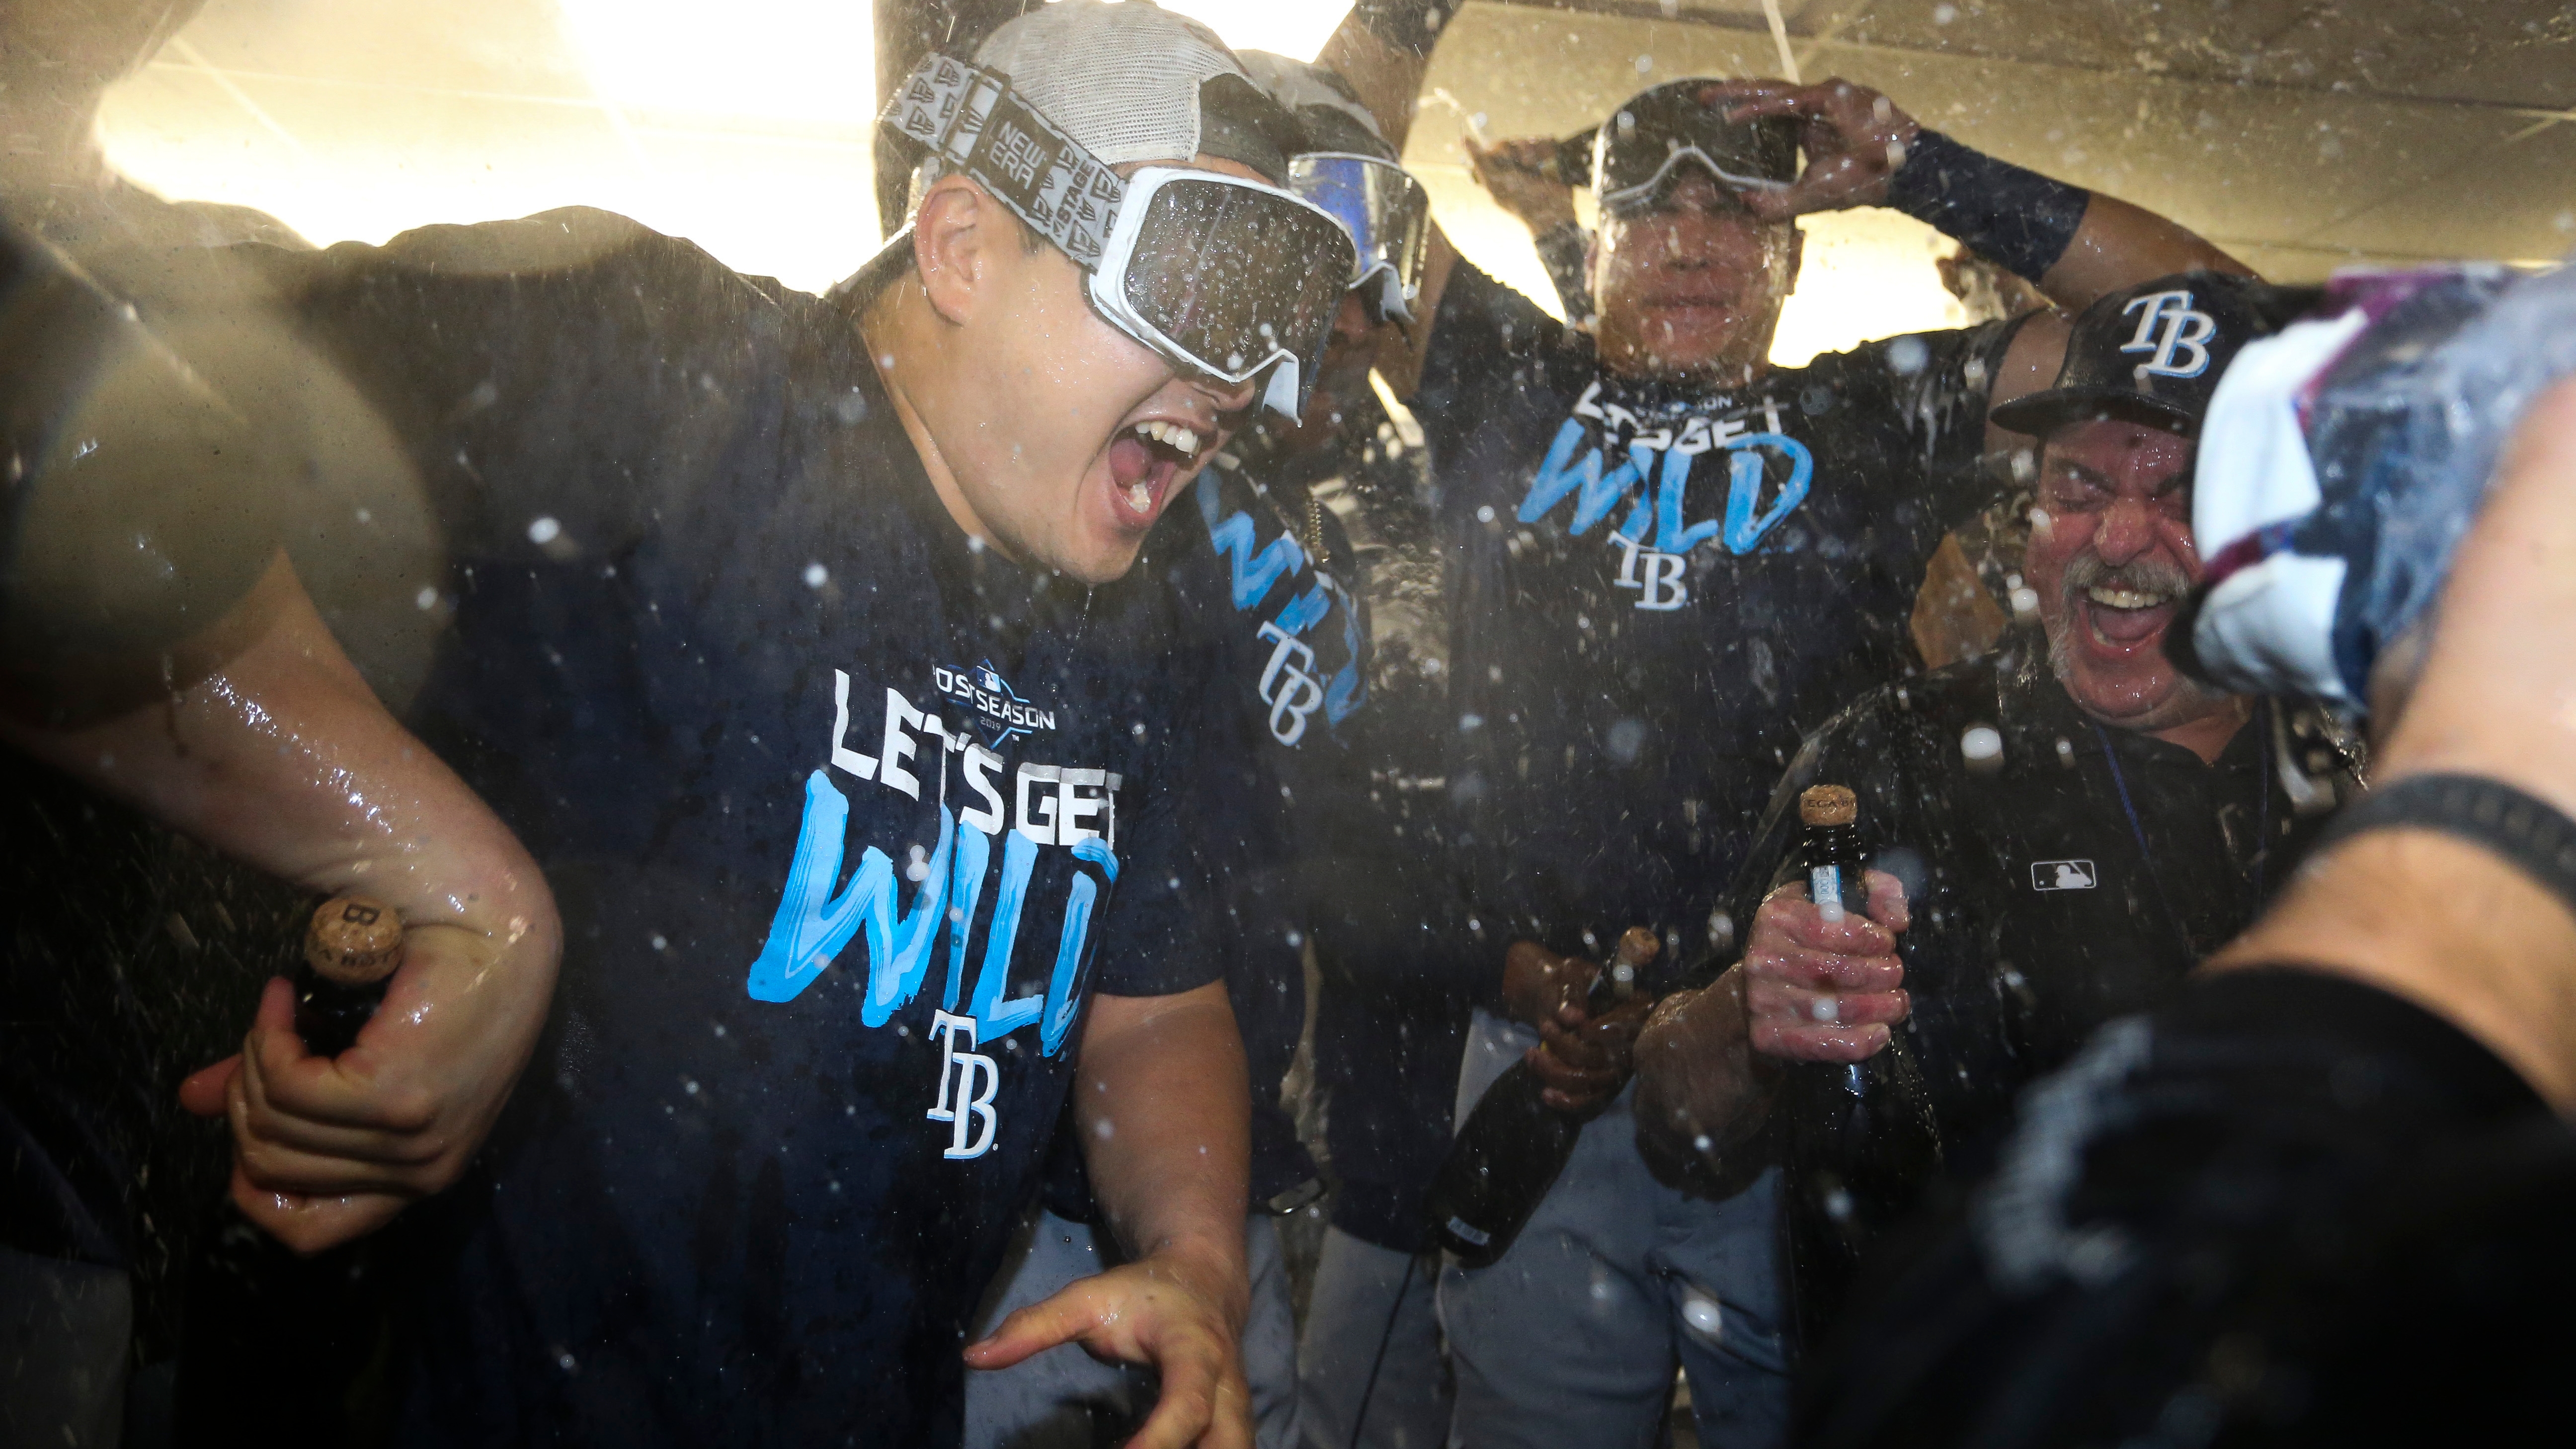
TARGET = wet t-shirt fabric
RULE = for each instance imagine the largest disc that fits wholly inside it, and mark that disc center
(848, 820)
(1660, 588)
(2078, 879)
(1386, 909)
(1262, 578)
(2230, 1222)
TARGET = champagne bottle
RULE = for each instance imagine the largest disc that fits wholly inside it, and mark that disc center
(1862, 1138)
(1514, 1144)
(353, 944)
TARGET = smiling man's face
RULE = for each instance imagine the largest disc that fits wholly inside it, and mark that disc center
(2111, 555)
(1099, 433)
(1692, 284)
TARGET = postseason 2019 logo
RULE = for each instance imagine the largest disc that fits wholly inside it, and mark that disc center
(1000, 711)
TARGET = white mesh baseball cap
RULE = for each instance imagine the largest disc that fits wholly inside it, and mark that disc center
(1123, 79)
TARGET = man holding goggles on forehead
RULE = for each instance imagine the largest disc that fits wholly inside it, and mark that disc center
(785, 634)
(1673, 560)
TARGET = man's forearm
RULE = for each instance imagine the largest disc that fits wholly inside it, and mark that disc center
(1385, 74)
(2075, 245)
(1164, 1110)
(281, 756)
(2120, 245)
(2438, 920)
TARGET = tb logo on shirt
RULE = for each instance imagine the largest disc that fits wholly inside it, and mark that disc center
(967, 1110)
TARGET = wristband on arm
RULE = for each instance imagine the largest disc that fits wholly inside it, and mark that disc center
(1411, 26)
(2017, 218)
(2527, 832)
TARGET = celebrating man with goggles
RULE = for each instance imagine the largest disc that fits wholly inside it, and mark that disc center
(1296, 570)
(783, 636)
(1675, 558)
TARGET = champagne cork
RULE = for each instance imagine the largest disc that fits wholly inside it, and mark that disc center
(1636, 947)
(1827, 805)
(354, 941)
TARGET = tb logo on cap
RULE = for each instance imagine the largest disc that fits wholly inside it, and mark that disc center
(2169, 328)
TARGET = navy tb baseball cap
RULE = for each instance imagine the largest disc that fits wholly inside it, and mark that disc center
(2153, 353)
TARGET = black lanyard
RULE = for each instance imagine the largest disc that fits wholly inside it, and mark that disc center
(2138, 830)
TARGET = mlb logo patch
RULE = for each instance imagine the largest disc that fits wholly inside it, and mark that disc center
(2062, 875)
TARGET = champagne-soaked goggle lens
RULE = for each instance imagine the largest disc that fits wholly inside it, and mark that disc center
(1640, 146)
(1234, 276)
(1387, 213)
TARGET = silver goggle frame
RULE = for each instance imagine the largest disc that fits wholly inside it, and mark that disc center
(1390, 259)
(1629, 197)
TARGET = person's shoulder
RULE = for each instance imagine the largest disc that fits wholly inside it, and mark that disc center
(572, 255)
(1940, 353)
(1484, 329)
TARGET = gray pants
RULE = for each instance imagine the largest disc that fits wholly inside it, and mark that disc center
(1053, 1400)
(1359, 1288)
(1573, 1335)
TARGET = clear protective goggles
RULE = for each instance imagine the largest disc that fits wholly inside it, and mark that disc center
(1388, 215)
(1223, 277)
(1634, 153)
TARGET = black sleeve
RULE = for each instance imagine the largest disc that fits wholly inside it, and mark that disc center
(1482, 331)
(1941, 382)
(548, 380)
(2288, 1205)
(1564, 249)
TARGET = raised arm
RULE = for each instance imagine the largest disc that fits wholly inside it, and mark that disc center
(278, 754)
(1862, 150)
(1164, 1111)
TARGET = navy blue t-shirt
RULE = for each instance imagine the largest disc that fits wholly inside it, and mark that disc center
(1660, 588)
(1262, 577)
(1385, 905)
(848, 819)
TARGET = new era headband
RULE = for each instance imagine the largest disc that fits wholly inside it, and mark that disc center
(971, 119)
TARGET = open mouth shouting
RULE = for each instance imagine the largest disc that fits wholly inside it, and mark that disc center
(2125, 610)
(1145, 460)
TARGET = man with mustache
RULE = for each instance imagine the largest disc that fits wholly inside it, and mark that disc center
(2059, 834)
(1671, 560)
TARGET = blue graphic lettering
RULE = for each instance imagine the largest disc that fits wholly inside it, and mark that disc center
(995, 1017)
(1744, 487)
(1670, 534)
(1253, 573)
(1064, 997)
(1596, 493)
(812, 924)
(966, 888)
(1304, 610)
(1348, 691)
